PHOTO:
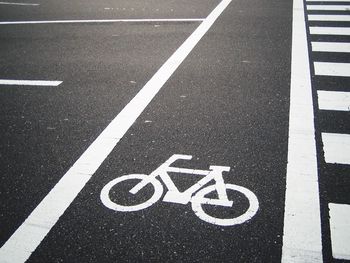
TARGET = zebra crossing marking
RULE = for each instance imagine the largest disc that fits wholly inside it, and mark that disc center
(330, 47)
(333, 100)
(340, 226)
(332, 69)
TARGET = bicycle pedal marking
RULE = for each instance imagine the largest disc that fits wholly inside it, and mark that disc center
(196, 194)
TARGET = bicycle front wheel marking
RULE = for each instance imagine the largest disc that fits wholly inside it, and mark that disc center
(198, 201)
(158, 191)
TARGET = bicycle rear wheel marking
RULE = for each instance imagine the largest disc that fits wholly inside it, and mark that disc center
(197, 202)
(158, 191)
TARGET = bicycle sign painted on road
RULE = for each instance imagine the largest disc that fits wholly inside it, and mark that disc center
(194, 195)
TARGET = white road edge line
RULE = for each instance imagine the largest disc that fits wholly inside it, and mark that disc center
(302, 221)
(54, 83)
(29, 235)
(103, 21)
(11, 3)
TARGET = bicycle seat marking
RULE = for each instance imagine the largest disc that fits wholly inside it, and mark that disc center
(196, 194)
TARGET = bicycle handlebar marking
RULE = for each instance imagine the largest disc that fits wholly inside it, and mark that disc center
(194, 194)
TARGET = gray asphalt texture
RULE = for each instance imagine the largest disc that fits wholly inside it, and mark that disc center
(227, 104)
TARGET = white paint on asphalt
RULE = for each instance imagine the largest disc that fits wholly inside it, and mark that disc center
(336, 147)
(302, 221)
(329, 7)
(315, 30)
(29, 235)
(340, 230)
(12, 3)
(330, 47)
(103, 21)
(328, 1)
(339, 18)
(29, 82)
(333, 100)
(191, 194)
(332, 69)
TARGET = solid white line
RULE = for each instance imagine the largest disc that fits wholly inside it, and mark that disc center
(338, 18)
(332, 69)
(103, 21)
(302, 220)
(330, 47)
(340, 230)
(10, 3)
(30, 234)
(336, 147)
(29, 82)
(329, 7)
(333, 100)
(345, 31)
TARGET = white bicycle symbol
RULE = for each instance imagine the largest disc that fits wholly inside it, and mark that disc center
(173, 195)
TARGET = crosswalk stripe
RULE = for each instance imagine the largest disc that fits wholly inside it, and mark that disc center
(340, 230)
(333, 100)
(348, 1)
(338, 18)
(332, 69)
(315, 30)
(329, 7)
(330, 47)
(336, 148)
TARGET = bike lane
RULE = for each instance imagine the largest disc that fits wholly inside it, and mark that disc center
(227, 105)
(45, 129)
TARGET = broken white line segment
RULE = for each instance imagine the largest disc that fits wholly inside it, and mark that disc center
(103, 21)
(11, 3)
(29, 82)
(302, 220)
(38, 224)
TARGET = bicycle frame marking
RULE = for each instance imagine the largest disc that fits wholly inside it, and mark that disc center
(174, 195)
(196, 194)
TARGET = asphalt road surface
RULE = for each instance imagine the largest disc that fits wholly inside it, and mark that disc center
(174, 131)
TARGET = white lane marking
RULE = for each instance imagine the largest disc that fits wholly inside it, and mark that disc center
(29, 82)
(336, 147)
(340, 230)
(103, 21)
(333, 100)
(33, 230)
(329, 7)
(11, 3)
(302, 221)
(315, 30)
(328, 1)
(338, 18)
(330, 47)
(332, 69)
